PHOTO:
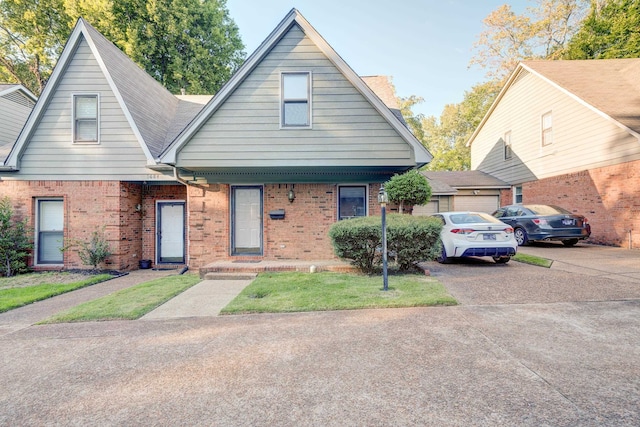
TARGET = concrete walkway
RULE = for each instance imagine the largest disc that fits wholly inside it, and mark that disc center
(206, 298)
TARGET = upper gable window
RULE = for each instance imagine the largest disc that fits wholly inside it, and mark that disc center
(507, 146)
(295, 96)
(85, 118)
(547, 130)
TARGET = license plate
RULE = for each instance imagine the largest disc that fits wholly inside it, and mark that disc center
(489, 236)
(568, 222)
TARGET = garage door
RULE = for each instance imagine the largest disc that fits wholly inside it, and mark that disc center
(425, 210)
(476, 203)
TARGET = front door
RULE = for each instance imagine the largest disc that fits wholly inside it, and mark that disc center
(246, 220)
(170, 238)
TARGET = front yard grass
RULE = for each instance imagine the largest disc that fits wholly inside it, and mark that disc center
(128, 304)
(533, 260)
(28, 288)
(298, 292)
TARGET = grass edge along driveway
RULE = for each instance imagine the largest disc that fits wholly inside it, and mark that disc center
(300, 292)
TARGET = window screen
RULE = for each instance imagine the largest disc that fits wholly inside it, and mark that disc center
(296, 100)
(85, 128)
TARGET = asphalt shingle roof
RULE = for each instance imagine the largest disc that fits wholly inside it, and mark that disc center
(466, 179)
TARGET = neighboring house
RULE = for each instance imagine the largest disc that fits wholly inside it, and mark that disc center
(294, 142)
(462, 191)
(568, 133)
(16, 103)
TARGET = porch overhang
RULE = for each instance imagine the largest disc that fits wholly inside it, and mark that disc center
(283, 175)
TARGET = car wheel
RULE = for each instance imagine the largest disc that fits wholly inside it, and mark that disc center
(442, 257)
(570, 242)
(521, 236)
(501, 259)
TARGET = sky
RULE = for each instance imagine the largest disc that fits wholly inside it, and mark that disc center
(424, 45)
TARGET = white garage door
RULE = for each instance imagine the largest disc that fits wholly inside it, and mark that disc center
(476, 203)
(425, 210)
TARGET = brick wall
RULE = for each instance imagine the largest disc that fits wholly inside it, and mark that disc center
(88, 206)
(609, 197)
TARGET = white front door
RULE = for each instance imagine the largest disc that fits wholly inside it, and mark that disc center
(170, 226)
(247, 220)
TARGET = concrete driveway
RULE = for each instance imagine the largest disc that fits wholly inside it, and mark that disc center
(528, 346)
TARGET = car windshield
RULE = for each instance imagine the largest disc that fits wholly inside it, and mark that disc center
(547, 210)
(472, 218)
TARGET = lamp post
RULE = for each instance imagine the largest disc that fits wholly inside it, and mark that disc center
(383, 199)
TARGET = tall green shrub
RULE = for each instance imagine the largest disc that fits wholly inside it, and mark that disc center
(15, 243)
(409, 240)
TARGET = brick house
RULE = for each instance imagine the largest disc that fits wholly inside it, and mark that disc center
(292, 143)
(568, 133)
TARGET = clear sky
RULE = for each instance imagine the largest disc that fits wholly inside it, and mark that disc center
(424, 45)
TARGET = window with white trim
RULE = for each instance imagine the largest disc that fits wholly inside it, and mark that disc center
(49, 231)
(517, 194)
(295, 98)
(85, 118)
(352, 201)
(507, 145)
(547, 129)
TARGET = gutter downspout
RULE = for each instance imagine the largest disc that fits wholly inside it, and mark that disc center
(186, 184)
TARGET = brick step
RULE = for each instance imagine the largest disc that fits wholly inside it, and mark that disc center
(229, 276)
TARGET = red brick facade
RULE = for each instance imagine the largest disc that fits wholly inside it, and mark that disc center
(128, 213)
(609, 197)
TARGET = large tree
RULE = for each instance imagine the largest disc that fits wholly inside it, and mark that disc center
(190, 44)
(542, 32)
(612, 30)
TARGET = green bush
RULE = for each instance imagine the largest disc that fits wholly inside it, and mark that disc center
(92, 252)
(358, 240)
(410, 239)
(14, 241)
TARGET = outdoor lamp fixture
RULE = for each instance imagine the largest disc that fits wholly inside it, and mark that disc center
(383, 199)
(291, 196)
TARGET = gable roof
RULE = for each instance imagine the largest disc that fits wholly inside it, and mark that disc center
(610, 87)
(23, 97)
(9, 88)
(132, 87)
(422, 156)
(466, 179)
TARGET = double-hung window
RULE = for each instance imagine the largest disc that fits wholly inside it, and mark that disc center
(85, 118)
(49, 231)
(352, 201)
(295, 95)
(547, 130)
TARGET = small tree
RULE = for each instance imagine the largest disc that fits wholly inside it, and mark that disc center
(410, 188)
(93, 252)
(14, 241)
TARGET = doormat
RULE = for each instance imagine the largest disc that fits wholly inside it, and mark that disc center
(245, 262)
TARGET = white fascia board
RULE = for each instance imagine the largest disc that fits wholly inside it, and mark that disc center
(19, 88)
(582, 102)
(421, 154)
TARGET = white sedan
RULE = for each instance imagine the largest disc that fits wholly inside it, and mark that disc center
(466, 234)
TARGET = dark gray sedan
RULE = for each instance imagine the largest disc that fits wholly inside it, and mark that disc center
(544, 222)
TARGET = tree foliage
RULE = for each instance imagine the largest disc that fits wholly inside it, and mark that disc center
(611, 30)
(447, 137)
(410, 188)
(14, 241)
(541, 32)
(191, 44)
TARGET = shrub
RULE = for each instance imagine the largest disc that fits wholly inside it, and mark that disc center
(15, 243)
(410, 239)
(358, 239)
(92, 252)
(409, 189)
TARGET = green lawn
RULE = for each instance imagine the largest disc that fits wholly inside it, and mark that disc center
(296, 292)
(533, 260)
(14, 297)
(131, 303)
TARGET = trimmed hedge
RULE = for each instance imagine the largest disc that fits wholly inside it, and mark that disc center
(410, 239)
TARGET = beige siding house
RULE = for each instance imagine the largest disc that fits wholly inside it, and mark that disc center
(568, 133)
(294, 142)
